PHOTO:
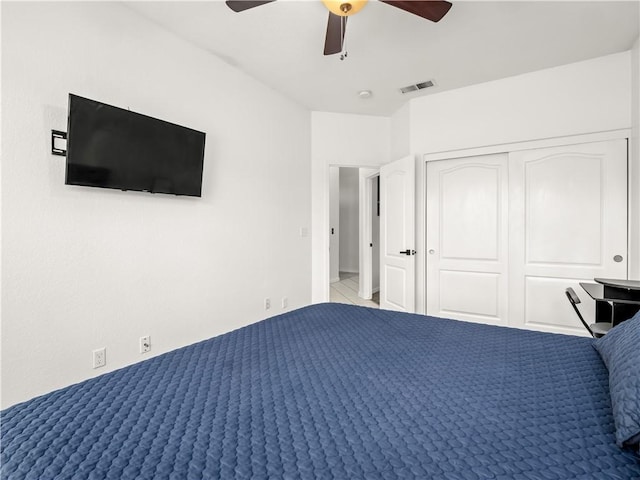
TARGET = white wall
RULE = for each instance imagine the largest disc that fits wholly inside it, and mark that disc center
(583, 97)
(634, 171)
(1, 209)
(349, 220)
(84, 268)
(350, 140)
(341, 140)
(401, 132)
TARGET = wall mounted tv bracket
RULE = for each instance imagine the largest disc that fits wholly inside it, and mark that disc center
(56, 139)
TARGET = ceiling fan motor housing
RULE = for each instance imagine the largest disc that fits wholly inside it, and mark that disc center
(344, 8)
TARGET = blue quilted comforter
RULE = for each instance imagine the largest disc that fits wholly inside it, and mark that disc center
(333, 392)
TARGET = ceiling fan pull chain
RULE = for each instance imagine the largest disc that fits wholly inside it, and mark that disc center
(343, 53)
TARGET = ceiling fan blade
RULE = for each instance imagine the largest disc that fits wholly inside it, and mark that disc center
(242, 5)
(432, 10)
(334, 40)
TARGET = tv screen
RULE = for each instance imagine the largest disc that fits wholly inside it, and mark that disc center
(111, 147)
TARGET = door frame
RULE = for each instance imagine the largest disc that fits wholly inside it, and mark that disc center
(365, 212)
(633, 211)
(320, 262)
(334, 237)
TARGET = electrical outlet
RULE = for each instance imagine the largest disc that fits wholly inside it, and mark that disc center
(285, 302)
(267, 303)
(145, 344)
(99, 357)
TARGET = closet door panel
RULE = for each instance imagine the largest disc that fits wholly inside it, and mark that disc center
(467, 242)
(567, 222)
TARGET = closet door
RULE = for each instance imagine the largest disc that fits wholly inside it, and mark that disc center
(567, 224)
(467, 239)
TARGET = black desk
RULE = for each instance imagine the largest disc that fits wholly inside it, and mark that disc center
(616, 300)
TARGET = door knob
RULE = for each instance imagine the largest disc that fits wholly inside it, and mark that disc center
(432, 251)
(617, 258)
(408, 252)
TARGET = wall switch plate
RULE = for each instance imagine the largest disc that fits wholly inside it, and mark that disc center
(285, 302)
(99, 357)
(145, 344)
(267, 303)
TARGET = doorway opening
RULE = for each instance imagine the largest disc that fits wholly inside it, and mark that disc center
(353, 236)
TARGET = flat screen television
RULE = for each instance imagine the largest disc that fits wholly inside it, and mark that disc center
(111, 147)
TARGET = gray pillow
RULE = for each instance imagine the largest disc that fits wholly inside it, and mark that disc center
(620, 351)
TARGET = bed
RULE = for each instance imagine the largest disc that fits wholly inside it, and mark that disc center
(334, 391)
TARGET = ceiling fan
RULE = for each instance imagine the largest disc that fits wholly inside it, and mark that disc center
(339, 10)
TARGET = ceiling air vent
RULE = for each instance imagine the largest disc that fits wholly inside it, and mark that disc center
(417, 86)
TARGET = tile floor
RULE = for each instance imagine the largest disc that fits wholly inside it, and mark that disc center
(346, 291)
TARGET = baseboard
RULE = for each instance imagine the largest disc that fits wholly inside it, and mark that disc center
(345, 270)
(374, 291)
(334, 280)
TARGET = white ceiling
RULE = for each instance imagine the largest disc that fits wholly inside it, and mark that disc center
(281, 44)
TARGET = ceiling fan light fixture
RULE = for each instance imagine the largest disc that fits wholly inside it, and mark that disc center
(344, 8)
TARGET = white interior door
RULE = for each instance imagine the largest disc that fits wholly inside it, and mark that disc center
(397, 235)
(467, 239)
(568, 221)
